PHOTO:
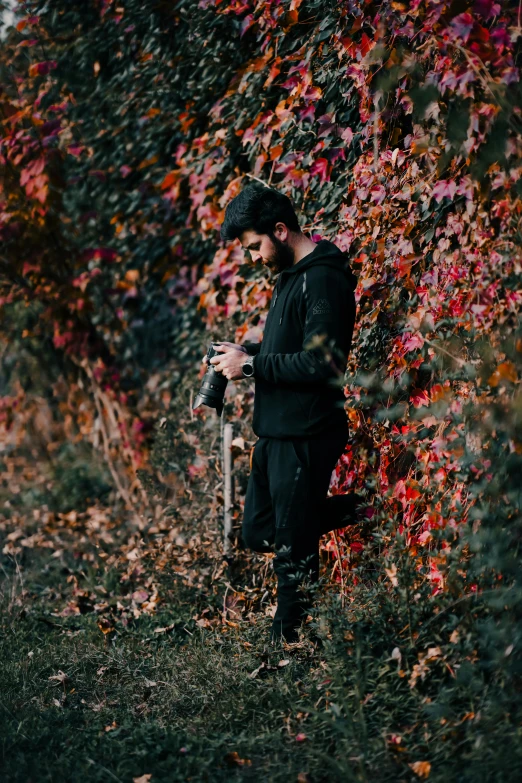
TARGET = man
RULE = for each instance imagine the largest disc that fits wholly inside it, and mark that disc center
(299, 416)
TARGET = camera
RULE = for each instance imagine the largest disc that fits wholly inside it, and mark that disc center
(213, 385)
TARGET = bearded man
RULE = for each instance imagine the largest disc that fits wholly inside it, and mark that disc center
(299, 417)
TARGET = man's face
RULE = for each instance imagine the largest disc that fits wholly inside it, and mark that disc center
(268, 250)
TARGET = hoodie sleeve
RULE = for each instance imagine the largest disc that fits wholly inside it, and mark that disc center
(329, 305)
(252, 348)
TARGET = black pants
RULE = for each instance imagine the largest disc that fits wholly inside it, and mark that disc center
(285, 510)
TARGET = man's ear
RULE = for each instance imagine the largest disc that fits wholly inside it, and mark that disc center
(281, 231)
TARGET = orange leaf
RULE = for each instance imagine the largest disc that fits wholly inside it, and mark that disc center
(234, 760)
(170, 179)
(290, 18)
(505, 371)
(421, 768)
(148, 162)
(105, 625)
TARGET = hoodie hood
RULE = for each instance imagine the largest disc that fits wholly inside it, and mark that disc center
(325, 253)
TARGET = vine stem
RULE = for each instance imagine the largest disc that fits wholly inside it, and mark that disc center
(340, 565)
(257, 178)
(461, 362)
(376, 99)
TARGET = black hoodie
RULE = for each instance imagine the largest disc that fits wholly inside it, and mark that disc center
(300, 363)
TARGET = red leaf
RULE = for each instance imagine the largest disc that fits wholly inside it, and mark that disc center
(419, 398)
(321, 166)
(365, 45)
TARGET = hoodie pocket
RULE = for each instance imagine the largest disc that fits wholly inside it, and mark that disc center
(300, 448)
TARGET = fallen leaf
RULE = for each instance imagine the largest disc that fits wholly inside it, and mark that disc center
(392, 575)
(61, 677)
(105, 625)
(140, 596)
(166, 629)
(421, 768)
(254, 674)
(233, 759)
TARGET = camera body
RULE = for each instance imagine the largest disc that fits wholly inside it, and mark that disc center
(213, 385)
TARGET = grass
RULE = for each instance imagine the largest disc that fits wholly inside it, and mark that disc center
(186, 704)
(197, 702)
(133, 654)
(97, 696)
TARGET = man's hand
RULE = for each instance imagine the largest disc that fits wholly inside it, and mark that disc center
(230, 361)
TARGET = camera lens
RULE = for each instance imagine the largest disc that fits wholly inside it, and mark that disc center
(213, 385)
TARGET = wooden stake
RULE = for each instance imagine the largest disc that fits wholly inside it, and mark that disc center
(228, 488)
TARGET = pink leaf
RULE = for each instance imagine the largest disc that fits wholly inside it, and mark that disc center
(347, 135)
(444, 187)
(486, 8)
(378, 194)
(415, 341)
(247, 22)
(463, 25)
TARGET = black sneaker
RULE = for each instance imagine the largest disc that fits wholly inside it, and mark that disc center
(288, 635)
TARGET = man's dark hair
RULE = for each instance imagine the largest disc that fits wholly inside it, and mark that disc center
(258, 208)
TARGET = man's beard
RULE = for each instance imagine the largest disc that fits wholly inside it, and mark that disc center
(284, 255)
